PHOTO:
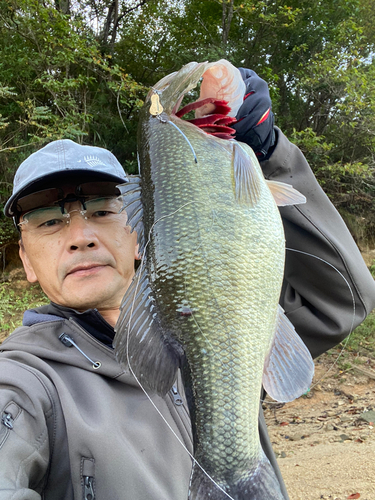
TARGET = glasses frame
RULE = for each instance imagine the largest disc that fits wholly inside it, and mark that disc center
(72, 199)
(53, 194)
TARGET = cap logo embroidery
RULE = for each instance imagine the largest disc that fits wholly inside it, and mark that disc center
(93, 161)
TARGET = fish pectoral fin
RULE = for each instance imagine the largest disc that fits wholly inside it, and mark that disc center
(285, 194)
(246, 178)
(131, 194)
(289, 367)
(140, 342)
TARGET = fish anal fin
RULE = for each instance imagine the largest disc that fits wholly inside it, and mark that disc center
(141, 344)
(285, 194)
(246, 178)
(289, 367)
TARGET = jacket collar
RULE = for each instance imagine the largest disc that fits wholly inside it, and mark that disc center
(43, 339)
(91, 320)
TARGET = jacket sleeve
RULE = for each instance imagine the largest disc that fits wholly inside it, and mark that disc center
(327, 289)
(24, 437)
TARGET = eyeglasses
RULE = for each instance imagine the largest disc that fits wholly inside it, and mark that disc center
(52, 219)
(53, 195)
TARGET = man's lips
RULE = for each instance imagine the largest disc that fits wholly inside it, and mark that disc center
(85, 269)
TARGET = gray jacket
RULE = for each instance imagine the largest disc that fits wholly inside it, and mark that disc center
(328, 290)
(71, 428)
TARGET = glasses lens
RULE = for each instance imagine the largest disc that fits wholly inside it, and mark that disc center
(44, 220)
(104, 210)
(49, 220)
(39, 199)
(97, 189)
(52, 195)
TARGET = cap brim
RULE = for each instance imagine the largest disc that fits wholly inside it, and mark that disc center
(84, 175)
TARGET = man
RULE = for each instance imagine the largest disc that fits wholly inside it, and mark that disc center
(73, 423)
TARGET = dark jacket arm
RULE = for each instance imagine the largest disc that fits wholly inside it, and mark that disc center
(327, 289)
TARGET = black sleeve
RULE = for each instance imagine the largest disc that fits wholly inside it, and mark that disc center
(268, 450)
(327, 289)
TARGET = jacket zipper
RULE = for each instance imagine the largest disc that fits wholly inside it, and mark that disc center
(88, 484)
(7, 420)
(8, 417)
(88, 478)
(7, 425)
(176, 396)
(69, 342)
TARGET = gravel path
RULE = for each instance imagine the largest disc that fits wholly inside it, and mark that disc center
(325, 442)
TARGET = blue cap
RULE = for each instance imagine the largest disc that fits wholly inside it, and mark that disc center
(60, 158)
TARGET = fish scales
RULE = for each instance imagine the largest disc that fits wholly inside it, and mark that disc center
(224, 261)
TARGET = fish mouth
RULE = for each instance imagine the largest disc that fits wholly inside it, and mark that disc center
(216, 108)
(216, 122)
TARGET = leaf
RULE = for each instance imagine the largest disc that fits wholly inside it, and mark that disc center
(353, 496)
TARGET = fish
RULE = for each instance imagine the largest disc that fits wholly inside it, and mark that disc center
(205, 297)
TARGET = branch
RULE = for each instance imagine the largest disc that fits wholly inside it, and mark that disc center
(226, 20)
(121, 16)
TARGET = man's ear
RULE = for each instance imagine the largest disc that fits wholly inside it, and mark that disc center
(137, 256)
(30, 275)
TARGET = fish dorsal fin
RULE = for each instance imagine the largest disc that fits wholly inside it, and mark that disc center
(285, 194)
(246, 178)
(289, 367)
(131, 192)
(141, 342)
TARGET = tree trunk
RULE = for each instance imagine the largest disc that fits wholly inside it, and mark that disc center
(226, 21)
(63, 6)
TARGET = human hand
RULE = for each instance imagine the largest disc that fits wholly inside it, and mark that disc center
(255, 119)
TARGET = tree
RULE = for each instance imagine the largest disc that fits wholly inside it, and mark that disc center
(316, 56)
(80, 69)
(55, 83)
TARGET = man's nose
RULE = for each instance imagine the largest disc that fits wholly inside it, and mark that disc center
(80, 233)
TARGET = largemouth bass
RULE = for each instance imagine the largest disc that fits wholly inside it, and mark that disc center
(208, 287)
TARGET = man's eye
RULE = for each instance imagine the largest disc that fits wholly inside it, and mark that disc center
(51, 222)
(101, 213)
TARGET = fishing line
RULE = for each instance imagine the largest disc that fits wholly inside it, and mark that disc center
(118, 107)
(353, 316)
(132, 371)
(197, 324)
(351, 326)
(162, 120)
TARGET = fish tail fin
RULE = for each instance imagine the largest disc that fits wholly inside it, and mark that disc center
(258, 483)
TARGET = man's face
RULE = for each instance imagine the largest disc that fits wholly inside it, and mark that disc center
(83, 265)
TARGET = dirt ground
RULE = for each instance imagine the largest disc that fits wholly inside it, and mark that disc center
(325, 441)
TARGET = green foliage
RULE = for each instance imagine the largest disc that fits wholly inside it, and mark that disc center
(314, 147)
(8, 233)
(14, 300)
(80, 70)
(55, 83)
(363, 337)
(361, 342)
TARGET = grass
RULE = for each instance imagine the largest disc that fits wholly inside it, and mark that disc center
(358, 347)
(363, 337)
(17, 295)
